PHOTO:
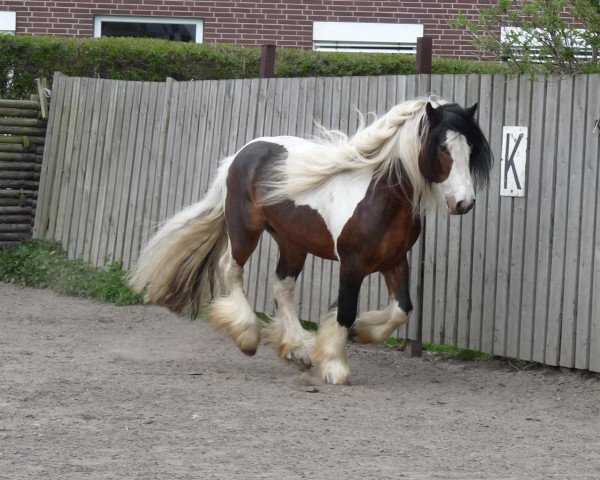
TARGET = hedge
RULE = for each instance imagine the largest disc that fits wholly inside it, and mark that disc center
(24, 58)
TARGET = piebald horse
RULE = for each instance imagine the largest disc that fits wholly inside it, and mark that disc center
(356, 200)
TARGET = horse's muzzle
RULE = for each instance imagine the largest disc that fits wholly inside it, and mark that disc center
(461, 207)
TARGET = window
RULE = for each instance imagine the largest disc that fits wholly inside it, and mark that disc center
(8, 22)
(532, 42)
(166, 28)
(366, 37)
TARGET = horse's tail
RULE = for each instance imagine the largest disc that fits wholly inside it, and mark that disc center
(179, 266)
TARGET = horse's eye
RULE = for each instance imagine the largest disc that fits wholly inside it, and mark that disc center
(444, 149)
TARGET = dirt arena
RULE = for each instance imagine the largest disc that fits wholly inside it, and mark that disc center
(91, 390)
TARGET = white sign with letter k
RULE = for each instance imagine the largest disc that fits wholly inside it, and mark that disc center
(513, 162)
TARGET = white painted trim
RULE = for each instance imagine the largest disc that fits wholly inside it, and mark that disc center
(366, 37)
(133, 19)
(8, 22)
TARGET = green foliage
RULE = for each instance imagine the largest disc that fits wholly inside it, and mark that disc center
(308, 63)
(29, 57)
(544, 40)
(25, 58)
(449, 351)
(44, 264)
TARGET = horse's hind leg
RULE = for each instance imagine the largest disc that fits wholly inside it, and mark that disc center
(232, 313)
(293, 343)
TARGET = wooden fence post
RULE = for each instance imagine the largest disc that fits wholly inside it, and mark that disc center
(267, 62)
(424, 54)
(414, 348)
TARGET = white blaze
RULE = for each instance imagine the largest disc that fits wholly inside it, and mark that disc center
(459, 184)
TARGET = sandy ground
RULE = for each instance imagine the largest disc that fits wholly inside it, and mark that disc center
(91, 390)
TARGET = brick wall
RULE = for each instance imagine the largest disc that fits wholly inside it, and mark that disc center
(286, 24)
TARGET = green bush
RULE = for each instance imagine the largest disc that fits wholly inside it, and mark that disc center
(29, 57)
(25, 58)
(44, 264)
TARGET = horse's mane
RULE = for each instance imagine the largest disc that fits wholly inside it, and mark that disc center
(373, 150)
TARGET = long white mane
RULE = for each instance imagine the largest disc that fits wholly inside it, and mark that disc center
(388, 149)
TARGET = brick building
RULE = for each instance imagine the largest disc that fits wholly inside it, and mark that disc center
(320, 24)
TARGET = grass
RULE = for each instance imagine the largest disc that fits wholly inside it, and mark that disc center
(448, 351)
(44, 264)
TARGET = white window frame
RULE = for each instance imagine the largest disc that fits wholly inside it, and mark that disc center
(8, 22)
(132, 19)
(584, 49)
(366, 37)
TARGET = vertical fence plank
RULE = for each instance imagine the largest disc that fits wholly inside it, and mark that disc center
(545, 220)
(59, 172)
(152, 201)
(150, 102)
(479, 244)
(559, 226)
(498, 87)
(570, 315)
(468, 97)
(593, 335)
(99, 128)
(504, 233)
(105, 180)
(48, 169)
(504, 251)
(132, 203)
(587, 354)
(69, 179)
(527, 333)
(464, 237)
(120, 139)
(519, 213)
(126, 183)
(86, 99)
(454, 90)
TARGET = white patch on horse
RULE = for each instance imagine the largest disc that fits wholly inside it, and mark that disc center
(336, 200)
(458, 187)
(376, 326)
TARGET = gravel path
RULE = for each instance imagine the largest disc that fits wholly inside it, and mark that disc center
(91, 390)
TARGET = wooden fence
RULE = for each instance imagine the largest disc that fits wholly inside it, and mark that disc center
(22, 135)
(517, 277)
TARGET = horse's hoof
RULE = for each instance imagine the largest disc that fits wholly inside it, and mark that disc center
(335, 372)
(249, 353)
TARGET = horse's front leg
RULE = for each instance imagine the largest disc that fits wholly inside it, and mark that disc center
(330, 356)
(377, 326)
(293, 343)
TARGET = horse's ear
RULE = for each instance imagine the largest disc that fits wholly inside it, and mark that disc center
(433, 114)
(471, 110)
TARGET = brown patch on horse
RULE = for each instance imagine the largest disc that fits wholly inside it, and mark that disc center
(300, 226)
(437, 169)
(382, 229)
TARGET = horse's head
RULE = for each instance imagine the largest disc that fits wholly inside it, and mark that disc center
(455, 155)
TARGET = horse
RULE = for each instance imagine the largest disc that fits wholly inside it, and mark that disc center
(357, 200)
